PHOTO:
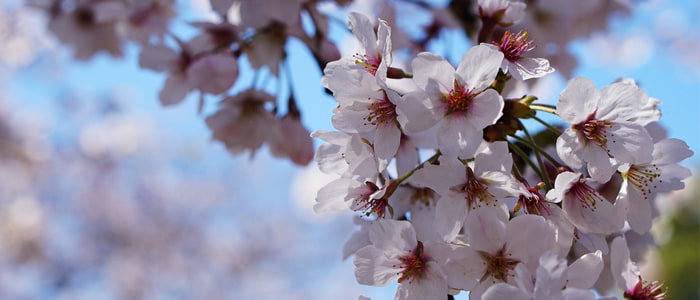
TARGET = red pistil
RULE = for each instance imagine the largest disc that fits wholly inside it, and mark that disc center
(514, 46)
(535, 204)
(475, 190)
(414, 265)
(646, 291)
(371, 64)
(380, 111)
(586, 195)
(459, 99)
(595, 130)
(499, 266)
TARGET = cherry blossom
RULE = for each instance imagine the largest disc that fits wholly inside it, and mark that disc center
(495, 248)
(584, 206)
(603, 133)
(514, 46)
(242, 121)
(502, 12)
(627, 276)
(553, 279)
(643, 180)
(396, 256)
(460, 100)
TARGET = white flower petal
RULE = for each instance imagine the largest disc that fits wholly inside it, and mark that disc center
(569, 148)
(584, 272)
(501, 291)
(479, 67)
(578, 100)
(528, 68)
(373, 267)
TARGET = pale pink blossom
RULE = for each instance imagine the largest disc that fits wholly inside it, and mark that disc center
(292, 140)
(627, 276)
(242, 122)
(459, 101)
(495, 248)
(513, 47)
(395, 255)
(643, 180)
(584, 206)
(502, 12)
(606, 126)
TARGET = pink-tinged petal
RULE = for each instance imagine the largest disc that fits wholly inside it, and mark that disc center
(450, 212)
(387, 140)
(363, 30)
(600, 165)
(384, 43)
(159, 58)
(577, 294)
(432, 73)
(351, 121)
(495, 157)
(174, 90)
(515, 13)
(457, 138)
(622, 101)
(671, 151)
(623, 270)
(501, 291)
(578, 100)
(358, 240)
(601, 217)
(639, 208)
(407, 157)
(486, 230)
(584, 272)
(391, 234)
(486, 108)
(565, 230)
(479, 67)
(528, 236)
(442, 177)
(432, 286)
(213, 74)
(464, 268)
(374, 267)
(416, 113)
(569, 148)
(528, 68)
(592, 242)
(333, 196)
(561, 185)
(629, 143)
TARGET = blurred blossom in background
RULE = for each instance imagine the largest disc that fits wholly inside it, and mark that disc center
(104, 194)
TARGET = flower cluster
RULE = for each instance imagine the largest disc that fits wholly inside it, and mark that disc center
(256, 33)
(490, 210)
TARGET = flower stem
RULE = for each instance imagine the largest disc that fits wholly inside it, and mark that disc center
(536, 148)
(546, 179)
(544, 107)
(525, 158)
(550, 127)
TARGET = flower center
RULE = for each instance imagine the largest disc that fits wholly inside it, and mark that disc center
(586, 195)
(642, 178)
(459, 99)
(499, 265)
(534, 204)
(646, 291)
(380, 111)
(371, 64)
(514, 46)
(425, 196)
(365, 203)
(414, 265)
(475, 191)
(595, 130)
